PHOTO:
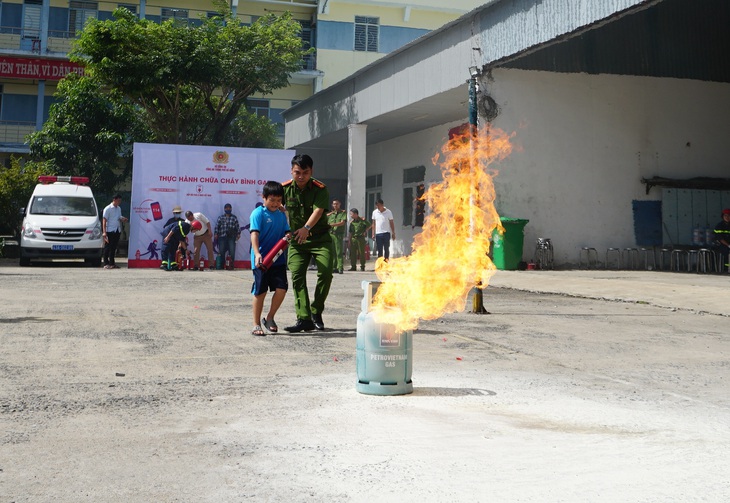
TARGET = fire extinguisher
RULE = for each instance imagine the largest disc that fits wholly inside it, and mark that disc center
(179, 260)
(367, 251)
(202, 264)
(229, 263)
(137, 255)
(271, 257)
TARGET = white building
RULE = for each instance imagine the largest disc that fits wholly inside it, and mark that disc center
(603, 96)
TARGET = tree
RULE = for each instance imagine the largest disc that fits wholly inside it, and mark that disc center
(16, 186)
(190, 82)
(89, 132)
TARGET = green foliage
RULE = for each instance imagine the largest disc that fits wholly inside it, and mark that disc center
(16, 186)
(191, 81)
(89, 133)
(250, 130)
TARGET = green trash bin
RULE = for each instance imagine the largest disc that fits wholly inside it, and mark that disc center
(507, 247)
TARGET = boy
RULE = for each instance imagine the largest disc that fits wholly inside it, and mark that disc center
(268, 224)
(359, 228)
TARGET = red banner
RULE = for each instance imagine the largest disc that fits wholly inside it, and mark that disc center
(36, 68)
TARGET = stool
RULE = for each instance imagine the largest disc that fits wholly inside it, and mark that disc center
(678, 259)
(632, 258)
(586, 251)
(617, 252)
(693, 260)
(706, 260)
(665, 252)
(646, 254)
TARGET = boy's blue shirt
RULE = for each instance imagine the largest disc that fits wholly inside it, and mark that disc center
(272, 226)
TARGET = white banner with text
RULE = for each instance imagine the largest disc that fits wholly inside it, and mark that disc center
(199, 179)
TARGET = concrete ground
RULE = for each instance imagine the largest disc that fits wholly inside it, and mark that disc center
(141, 385)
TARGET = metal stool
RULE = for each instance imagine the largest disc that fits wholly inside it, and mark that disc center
(632, 258)
(665, 252)
(693, 261)
(706, 260)
(678, 259)
(617, 252)
(646, 254)
(543, 253)
(586, 251)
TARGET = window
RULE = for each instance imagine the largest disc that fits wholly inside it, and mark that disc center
(306, 36)
(79, 13)
(367, 30)
(414, 207)
(32, 19)
(130, 7)
(176, 14)
(258, 107)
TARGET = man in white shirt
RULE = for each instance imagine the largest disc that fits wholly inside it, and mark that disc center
(111, 228)
(383, 229)
(204, 236)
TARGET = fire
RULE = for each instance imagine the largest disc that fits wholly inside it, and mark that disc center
(449, 255)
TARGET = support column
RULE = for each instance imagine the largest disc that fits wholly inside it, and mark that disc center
(40, 105)
(356, 167)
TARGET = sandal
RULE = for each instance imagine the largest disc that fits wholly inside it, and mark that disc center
(270, 325)
(257, 330)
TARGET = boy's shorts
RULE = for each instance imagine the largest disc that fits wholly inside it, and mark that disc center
(272, 279)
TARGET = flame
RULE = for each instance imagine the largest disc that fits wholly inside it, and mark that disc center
(449, 256)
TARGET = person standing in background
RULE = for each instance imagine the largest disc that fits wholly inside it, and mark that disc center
(202, 236)
(383, 229)
(227, 232)
(176, 216)
(337, 220)
(359, 228)
(722, 240)
(111, 229)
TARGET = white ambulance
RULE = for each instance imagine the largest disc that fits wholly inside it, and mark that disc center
(61, 221)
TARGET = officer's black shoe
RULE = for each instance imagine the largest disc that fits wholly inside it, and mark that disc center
(300, 326)
(352, 269)
(317, 320)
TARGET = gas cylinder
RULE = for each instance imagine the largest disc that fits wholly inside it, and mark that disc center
(278, 249)
(384, 354)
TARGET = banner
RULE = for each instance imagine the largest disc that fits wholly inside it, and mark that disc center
(199, 179)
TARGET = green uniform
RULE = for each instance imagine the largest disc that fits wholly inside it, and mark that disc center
(358, 229)
(300, 205)
(338, 235)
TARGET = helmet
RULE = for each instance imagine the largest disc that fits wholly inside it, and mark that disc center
(196, 226)
(726, 211)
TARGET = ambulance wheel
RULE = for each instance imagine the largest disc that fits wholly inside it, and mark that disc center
(24, 261)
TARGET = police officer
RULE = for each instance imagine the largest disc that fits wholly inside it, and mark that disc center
(337, 220)
(306, 200)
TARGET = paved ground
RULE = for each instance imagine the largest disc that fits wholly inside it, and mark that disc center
(141, 385)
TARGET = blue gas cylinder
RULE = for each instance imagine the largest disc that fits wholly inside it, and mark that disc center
(384, 354)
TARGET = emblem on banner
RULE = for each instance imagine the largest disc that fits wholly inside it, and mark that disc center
(220, 156)
(199, 188)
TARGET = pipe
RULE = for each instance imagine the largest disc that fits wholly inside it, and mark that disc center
(478, 297)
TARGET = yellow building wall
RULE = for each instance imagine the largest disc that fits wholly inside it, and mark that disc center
(422, 18)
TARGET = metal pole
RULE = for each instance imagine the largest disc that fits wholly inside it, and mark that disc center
(478, 297)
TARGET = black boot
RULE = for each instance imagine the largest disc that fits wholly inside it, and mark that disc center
(317, 321)
(300, 326)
